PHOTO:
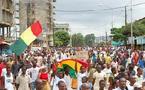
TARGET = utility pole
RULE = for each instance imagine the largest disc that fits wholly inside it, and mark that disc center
(132, 40)
(125, 16)
(33, 11)
(70, 38)
(28, 13)
(112, 19)
(106, 37)
(53, 34)
(125, 23)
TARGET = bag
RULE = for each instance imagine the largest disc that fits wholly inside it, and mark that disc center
(74, 83)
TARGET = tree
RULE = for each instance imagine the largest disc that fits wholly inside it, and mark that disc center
(77, 40)
(61, 38)
(121, 34)
(118, 34)
(90, 39)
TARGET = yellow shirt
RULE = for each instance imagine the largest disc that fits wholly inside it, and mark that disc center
(108, 60)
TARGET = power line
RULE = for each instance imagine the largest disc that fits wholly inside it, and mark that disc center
(91, 10)
(75, 11)
(125, 6)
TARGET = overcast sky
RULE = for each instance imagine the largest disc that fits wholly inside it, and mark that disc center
(98, 21)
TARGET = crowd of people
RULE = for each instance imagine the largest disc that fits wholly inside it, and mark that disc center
(110, 68)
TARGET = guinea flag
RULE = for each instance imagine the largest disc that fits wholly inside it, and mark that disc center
(26, 38)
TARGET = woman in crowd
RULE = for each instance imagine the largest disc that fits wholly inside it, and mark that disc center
(44, 78)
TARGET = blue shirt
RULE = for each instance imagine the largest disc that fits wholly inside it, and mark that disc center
(141, 63)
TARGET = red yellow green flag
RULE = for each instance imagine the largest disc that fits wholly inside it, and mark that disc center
(72, 64)
(26, 38)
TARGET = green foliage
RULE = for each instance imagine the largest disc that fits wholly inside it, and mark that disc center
(118, 34)
(77, 40)
(61, 38)
(121, 34)
(90, 39)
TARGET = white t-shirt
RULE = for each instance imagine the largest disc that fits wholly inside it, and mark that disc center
(108, 73)
(130, 87)
(118, 89)
(33, 72)
(98, 77)
(68, 80)
(8, 82)
(139, 79)
(79, 78)
(55, 81)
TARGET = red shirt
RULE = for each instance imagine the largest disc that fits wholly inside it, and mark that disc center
(44, 76)
(1, 67)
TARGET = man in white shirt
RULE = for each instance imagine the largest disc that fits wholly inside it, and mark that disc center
(33, 72)
(98, 75)
(139, 76)
(108, 73)
(68, 78)
(23, 81)
(56, 79)
(80, 75)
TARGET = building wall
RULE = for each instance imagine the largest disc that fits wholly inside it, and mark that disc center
(6, 12)
(23, 14)
(140, 40)
(16, 23)
(37, 10)
(6, 17)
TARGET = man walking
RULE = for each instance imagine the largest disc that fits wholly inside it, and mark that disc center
(23, 81)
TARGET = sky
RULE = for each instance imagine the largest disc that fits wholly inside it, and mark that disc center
(98, 21)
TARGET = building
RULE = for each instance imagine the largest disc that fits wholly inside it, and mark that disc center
(103, 39)
(138, 42)
(42, 10)
(61, 27)
(6, 18)
(16, 23)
